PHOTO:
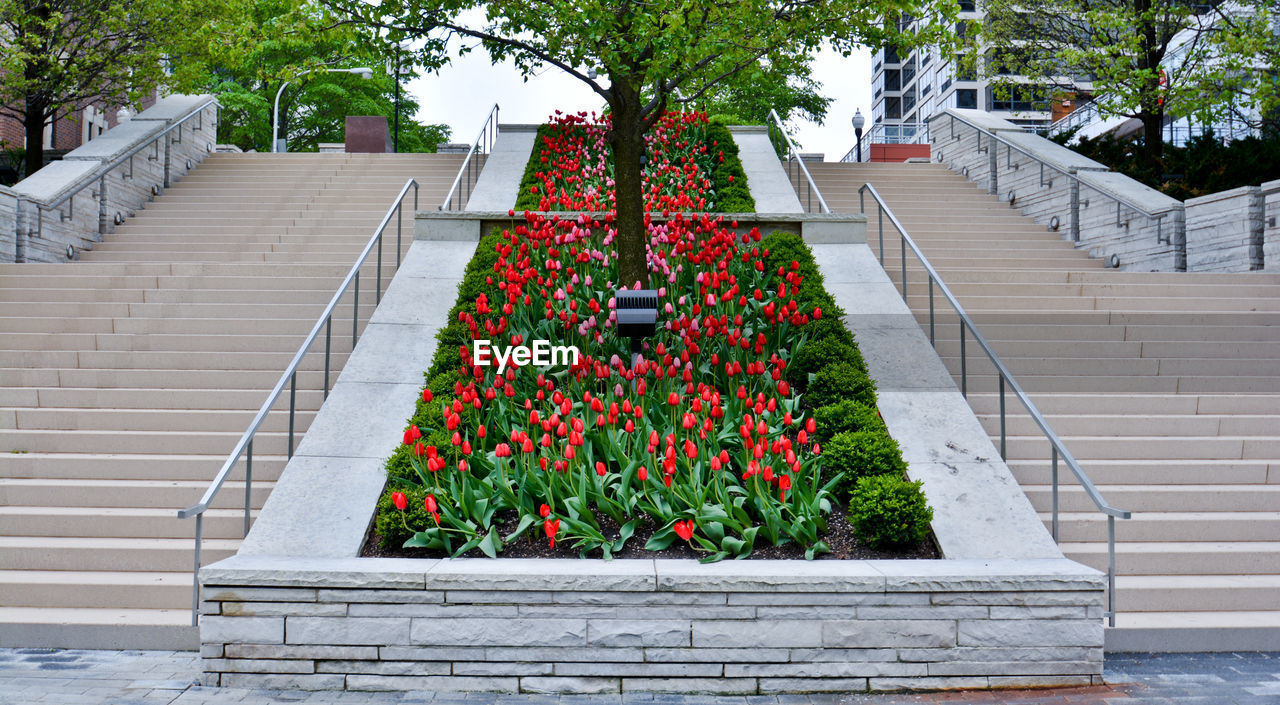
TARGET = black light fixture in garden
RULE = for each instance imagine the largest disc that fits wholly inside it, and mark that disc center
(637, 314)
(858, 122)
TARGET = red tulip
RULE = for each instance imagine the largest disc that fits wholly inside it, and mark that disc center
(400, 500)
(684, 529)
(545, 510)
(642, 473)
(551, 528)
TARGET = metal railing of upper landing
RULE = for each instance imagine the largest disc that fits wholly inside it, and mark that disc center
(967, 326)
(469, 172)
(244, 447)
(1165, 235)
(97, 177)
(795, 164)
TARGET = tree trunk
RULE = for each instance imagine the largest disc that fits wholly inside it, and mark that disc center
(1153, 138)
(1151, 100)
(627, 141)
(34, 126)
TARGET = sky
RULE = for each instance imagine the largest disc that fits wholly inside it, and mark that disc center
(462, 94)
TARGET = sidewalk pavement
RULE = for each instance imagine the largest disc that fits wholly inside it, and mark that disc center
(73, 677)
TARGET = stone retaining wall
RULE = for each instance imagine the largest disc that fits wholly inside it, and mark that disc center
(569, 626)
(8, 224)
(102, 197)
(1224, 231)
(1271, 226)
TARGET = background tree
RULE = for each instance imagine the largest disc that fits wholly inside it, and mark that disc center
(1146, 58)
(294, 40)
(63, 55)
(750, 94)
(644, 53)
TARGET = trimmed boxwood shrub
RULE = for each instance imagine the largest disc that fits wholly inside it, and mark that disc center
(847, 416)
(816, 354)
(860, 454)
(839, 381)
(888, 511)
(391, 522)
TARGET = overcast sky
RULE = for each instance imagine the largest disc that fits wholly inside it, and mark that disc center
(464, 91)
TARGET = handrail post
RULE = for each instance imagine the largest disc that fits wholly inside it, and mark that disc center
(903, 242)
(293, 403)
(377, 290)
(195, 573)
(1004, 455)
(328, 347)
(248, 484)
(931, 338)
(1054, 500)
(399, 227)
(964, 376)
(880, 213)
(1111, 570)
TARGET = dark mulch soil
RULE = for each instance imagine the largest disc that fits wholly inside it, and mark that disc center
(533, 544)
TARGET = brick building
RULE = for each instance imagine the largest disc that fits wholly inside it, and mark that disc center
(67, 132)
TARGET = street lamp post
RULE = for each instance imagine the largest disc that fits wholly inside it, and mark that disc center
(858, 122)
(364, 73)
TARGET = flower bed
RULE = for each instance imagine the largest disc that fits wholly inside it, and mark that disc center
(710, 439)
(691, 164)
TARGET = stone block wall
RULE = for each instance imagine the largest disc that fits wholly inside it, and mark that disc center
(8, 224)
(1225, 231)
(105, 184)
(1139, 242)
(1047, 181)
(752, 627)
(1271, 226)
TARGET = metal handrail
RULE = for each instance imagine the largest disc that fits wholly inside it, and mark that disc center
(793, 157)
(471, 167)
(244, 447)
(102, 171)
(1013, 147)
(1006, 379)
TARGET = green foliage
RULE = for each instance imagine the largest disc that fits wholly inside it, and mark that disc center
(296, 41)
(1205, 165)
(392, 524)
(1121, 47)
(787, 88)
(888, 511)
(728, 177)
(836, 382)
(859, 454)
(847, 416)
(817, 353)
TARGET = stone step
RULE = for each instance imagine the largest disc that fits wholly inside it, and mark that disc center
(98, 628)
(113, 554)
(1151, 472)
(67, 588)
(1187, 558)
(1135, 424)
(174, 494)
(145, 442)
(1154, 447)
(161, 379)
(165, 420)
(134, 466)
(1168, 526)
(119, 522)
(1160, 497)
(1170, 593)
(145, 399)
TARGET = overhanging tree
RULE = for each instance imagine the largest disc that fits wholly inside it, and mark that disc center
(1146, 59)
(644, 57)
(61, 55)
(295, 40)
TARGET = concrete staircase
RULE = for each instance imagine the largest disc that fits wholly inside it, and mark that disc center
(1166, 387)
(127, 377)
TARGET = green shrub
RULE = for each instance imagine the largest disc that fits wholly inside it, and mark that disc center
(860, 454)
(816, 354)
(391, 521)
(839, 381)
(847, 416)
(888, 511)
(831, 327)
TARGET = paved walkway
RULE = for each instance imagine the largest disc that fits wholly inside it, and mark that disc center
(43, 676)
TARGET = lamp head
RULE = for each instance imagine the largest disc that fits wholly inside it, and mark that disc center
(858, 120)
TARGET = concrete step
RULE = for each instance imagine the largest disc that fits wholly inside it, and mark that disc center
(119, 522)
(165, 420)
(174, 494)
(1186, 558)
(1149, 472)
(1161, 497)
(1173, 593)
(1168, 526)
(133, 466)
(98, 628)
(111, 554)
(66, 588)
(149, 441)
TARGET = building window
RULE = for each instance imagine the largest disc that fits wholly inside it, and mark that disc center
(945, 85)
(926, 90)
(891, 55)
(1019, 99)
(892, 108)
(968, 6)
(967, 98)
(893, 80)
